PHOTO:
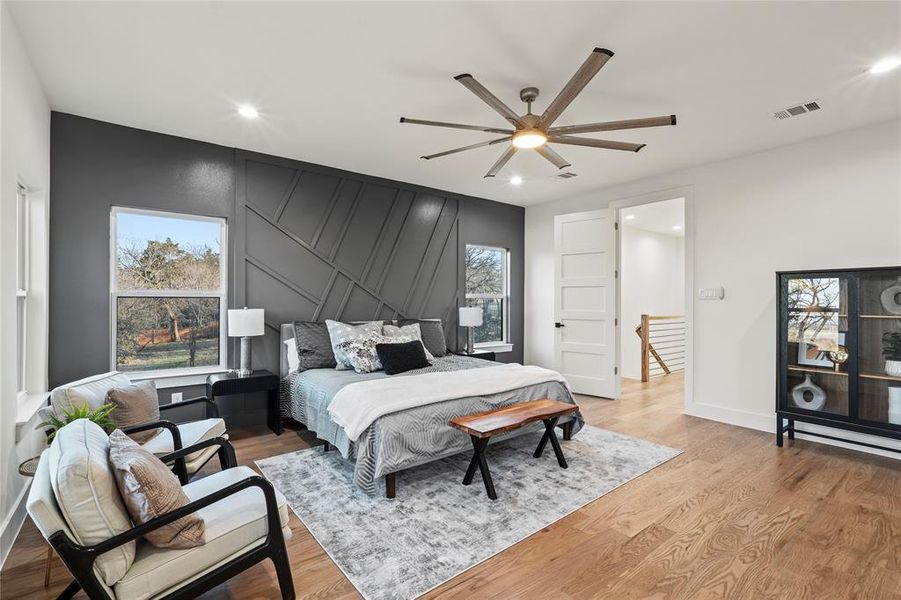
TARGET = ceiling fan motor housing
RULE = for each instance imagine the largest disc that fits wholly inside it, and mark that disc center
(528, 95)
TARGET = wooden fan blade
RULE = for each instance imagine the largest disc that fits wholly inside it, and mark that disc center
(472, 147)
(559, 161)
(614, 125)
(456, 126)
(595, 61)
(591, 143)
(506, 156)
(488, 98)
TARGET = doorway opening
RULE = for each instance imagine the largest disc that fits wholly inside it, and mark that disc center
(652, 335)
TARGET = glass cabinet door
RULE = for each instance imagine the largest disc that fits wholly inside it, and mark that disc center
(879, 347)
(816, 354)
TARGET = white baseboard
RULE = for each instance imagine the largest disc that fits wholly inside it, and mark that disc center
(763, 422)
(11, 526)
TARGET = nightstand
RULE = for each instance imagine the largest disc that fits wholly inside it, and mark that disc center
(483, 354)
(261, 380)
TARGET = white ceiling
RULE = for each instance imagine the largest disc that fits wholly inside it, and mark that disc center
(332, 79)
(659, 217)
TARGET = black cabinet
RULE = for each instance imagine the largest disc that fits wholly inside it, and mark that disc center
(839, 351)
(261, 380)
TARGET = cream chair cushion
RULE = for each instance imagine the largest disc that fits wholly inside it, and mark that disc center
(45, 512)
(91, 390)
(86, 492)
(191, 433)
(233, 526)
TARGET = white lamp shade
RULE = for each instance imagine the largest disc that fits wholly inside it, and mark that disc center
(245, 322)
(470, 316)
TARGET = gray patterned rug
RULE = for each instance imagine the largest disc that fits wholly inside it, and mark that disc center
(437, 528)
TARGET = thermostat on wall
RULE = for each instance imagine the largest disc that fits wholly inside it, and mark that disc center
(714, 293)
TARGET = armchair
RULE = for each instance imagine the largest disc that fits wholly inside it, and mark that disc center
(173, 436)
(246, 522)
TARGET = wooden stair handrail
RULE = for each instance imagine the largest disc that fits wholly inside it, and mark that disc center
(647, 349)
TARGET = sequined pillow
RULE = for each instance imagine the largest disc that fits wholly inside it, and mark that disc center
(344, 332)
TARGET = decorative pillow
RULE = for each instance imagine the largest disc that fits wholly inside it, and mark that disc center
(432, 334)
(314, 348)
(405, 334)
(85, 490)
(361, 354)
(400, 358)
(344, 332)
(291, 355)
(150, 489)
(135, 405)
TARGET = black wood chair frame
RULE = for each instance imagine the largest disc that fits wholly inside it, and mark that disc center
(80, 559)
(179, 467)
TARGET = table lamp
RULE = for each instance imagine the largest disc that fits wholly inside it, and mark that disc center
(470, 316)
(245, 323)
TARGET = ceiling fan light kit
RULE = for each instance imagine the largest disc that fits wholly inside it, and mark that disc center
(534, 132)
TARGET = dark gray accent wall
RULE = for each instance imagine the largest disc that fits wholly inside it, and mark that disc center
(305, 241)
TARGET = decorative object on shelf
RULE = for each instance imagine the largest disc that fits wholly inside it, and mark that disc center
(470, 316)
(812, 356)
(889, 299)
(839, 356)
(894, 405)
(809, 395)
(245, 323)
(891, 350)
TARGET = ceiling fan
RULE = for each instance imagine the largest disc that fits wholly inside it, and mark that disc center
(534, 132)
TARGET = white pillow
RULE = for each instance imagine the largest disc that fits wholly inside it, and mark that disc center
(291, 355)
(407, 333)
(87, 494)
(343, 332)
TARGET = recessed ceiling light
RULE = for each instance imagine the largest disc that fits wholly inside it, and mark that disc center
(677, 227)
(516, 180)
(885, 65)
(630, 217)
(248, 112)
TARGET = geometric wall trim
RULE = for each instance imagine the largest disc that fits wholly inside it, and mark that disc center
(321, 243)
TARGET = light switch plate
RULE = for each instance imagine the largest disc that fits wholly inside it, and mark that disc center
(714, 293)
(176, 397)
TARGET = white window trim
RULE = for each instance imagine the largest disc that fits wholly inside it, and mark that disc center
(503, 345)
(23, 266)
(188, 375)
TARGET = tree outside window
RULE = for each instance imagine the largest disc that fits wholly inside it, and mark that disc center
(486, 287)
(168, 291)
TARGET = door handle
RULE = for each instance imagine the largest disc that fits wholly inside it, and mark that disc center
(559, 325)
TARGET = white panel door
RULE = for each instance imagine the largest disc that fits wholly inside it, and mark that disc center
(584, 301)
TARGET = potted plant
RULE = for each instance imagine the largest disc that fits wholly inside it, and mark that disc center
(100, 415)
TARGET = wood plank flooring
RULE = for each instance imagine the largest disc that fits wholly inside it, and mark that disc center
(732, 517)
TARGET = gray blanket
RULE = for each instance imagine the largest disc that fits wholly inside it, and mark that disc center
(407, 438)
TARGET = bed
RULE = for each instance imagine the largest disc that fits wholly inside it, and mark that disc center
(407, 438)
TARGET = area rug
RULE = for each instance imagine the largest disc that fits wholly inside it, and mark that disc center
(437, 528)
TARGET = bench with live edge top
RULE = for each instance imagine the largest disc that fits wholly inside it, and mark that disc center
(481, 427)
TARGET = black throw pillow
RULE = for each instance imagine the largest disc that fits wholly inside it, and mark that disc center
(400, 358)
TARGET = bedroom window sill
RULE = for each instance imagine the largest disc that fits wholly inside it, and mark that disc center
(496, 347)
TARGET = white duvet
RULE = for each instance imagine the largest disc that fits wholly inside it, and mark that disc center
(358, 405)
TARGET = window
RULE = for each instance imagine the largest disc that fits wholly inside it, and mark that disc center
(22, 264)
(486, 287)
(168, 292)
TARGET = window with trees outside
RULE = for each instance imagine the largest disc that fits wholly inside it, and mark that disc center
(486, 287)
(168, 292)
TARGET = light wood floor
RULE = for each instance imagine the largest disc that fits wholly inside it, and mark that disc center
(732, 517)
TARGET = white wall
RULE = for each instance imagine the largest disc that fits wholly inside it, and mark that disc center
(827, 202)
(24, 156)
(652, 280)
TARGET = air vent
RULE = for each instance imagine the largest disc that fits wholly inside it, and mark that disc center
(797, 111)
(568, 175)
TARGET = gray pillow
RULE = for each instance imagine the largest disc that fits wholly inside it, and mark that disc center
(432, 331)
(342, 332)
(314, 347)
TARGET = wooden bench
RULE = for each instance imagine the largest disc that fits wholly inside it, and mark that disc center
(481, 427)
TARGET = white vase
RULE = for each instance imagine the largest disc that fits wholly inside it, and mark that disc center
(809, 395)
(894, 405)
(893, 368)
